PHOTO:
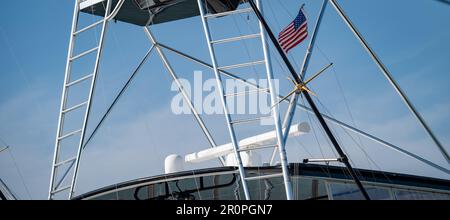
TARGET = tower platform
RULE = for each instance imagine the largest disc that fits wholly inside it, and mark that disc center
(143, 12)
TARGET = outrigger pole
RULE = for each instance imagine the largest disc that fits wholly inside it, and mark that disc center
(310, 101)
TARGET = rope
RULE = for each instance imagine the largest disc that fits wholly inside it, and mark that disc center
(20, 173)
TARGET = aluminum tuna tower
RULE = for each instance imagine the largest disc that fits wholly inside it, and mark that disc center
(148, 12)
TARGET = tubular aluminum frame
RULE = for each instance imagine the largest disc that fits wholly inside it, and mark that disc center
(224, 101)
(108, 111)
(281, 140)
(287, 121)
(309, 110)
(67, 79)
(182, 90)
(390, 78)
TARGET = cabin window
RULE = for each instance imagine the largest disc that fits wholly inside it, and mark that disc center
(419, 195)
(348, 191)
(215, 187)
(309, 188)
(228, 187)
(266, 189)
(221, 187)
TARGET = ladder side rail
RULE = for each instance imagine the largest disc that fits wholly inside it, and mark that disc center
(223, 99)
(276, 116)
(54, 172)
(91, 93)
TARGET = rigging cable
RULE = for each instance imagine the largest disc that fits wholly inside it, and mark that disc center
(370, 162)
(8, 149)
(359, 146)
(97, 30)
(313, 122)
(247, 50)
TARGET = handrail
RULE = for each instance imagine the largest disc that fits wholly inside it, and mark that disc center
(116, 10)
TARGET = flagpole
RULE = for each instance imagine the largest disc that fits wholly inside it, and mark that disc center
(291, 108)
(316, 111)
(313, 41)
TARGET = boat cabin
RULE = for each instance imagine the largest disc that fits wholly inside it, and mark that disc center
(310, 182)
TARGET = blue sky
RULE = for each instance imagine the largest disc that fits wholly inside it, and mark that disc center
(410, 37)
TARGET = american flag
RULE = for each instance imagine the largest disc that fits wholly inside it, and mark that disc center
(294, 33)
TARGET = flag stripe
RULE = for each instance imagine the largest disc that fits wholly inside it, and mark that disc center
(287, 30)
(299, 35)
(293, 37)
(303, 29)
(297, 43)
(284, 30)
(300, 38)
(287, 33)
(290, 33)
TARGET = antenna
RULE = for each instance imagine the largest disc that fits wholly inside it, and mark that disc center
(299, 88)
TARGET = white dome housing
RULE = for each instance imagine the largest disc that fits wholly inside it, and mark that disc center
(173, 163)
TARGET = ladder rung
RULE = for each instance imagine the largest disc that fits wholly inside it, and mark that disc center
(242, 65)
(65, 161)
(258, 147)
(264, 177)
(88, 27)
(75, 107)
(79, 80)
(228, 13)
(60, 189)
(246, 92)
(249, 120)
(84, 53)
(70, 134)
(250, 36)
